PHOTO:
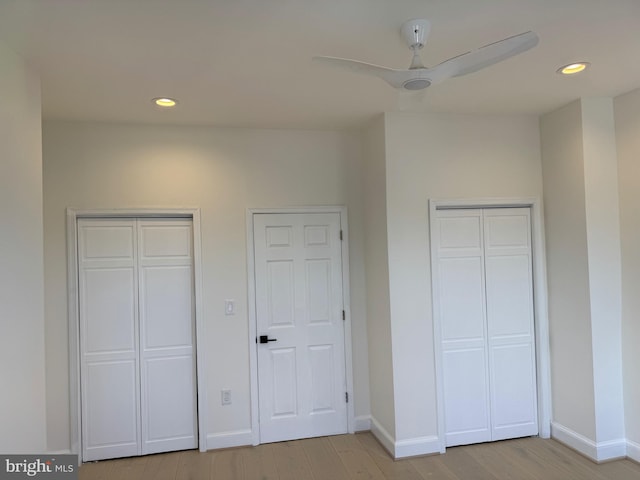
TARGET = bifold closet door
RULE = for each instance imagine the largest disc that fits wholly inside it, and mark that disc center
(167, 336)
(109, 325)
(511, 337)
(137, 365)
(485, 302)
(463, 326)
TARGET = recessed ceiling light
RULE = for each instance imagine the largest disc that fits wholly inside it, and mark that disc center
(165, 102)
(572, 68)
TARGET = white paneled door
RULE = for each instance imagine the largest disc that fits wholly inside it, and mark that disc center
(300, 325)
(485, 311)
(137, 337)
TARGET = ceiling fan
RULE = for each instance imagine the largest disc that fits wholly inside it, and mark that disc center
(418, 77)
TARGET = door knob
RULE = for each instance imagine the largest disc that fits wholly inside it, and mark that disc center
(265, 339)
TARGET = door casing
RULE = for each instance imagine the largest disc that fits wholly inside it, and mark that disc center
(253, 358)
(541, 319)
(74, 320)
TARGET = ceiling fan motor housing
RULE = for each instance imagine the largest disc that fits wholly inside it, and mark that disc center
(415, 32)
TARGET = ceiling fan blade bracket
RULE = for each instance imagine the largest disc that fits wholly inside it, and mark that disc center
(415, 32)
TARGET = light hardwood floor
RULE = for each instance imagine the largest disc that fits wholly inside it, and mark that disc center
(360, 456)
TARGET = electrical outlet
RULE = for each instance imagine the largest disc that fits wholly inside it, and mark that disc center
(226, 396)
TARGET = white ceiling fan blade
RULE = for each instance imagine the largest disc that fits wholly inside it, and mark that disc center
(483, 57)
(395, 78)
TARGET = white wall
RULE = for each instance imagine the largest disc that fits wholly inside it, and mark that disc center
(224, 172)
(603, 240)
(357, 271)
(627, 122)
(377, 281)
(439, 156)
(567, 270)
(22, 350)
(584, 268)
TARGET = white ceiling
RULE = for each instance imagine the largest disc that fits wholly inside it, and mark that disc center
(247, 63)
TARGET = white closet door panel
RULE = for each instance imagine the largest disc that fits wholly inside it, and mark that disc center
(507, 229)
(510, 322)
(170, 413)
(513, 391)
(108, 338)
(461, 304)
(301, 375)
(110, 415)
(165, 239)
(467, 396)
(459, 232)
(463, 316)
(106, 240)
(509, 295)
(109, 309)
(167, 331)
(166, 306)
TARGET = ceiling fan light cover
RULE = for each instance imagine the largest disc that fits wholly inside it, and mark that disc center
(416, 84)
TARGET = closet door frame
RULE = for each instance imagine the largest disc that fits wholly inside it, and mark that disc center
(74, 320)
(540, 308)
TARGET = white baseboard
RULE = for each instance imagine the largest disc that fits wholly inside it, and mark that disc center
(633, 450)
(60, 452)
(362, 423)
(236, 438)
(66, 451)
(417, 446)
(404, 448)
(383, 436)
(598, 452)
(611, 450)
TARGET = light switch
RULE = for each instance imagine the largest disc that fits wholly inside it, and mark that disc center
(229, 307)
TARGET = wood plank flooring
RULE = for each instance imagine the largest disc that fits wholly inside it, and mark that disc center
(360, 457)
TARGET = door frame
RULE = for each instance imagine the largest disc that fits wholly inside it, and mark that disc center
(73, 215)
(540, 306)
(251, 297)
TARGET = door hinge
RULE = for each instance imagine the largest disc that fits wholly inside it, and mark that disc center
(344, 315)
(346, 397)
(340, 234)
